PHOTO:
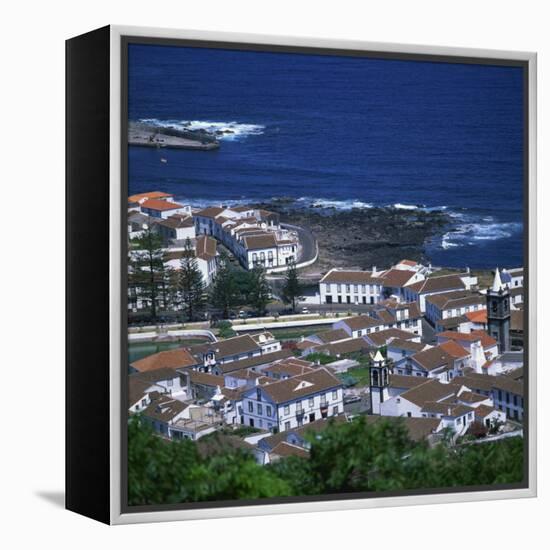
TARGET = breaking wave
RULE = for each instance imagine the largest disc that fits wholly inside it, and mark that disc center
(467, 234)
(345, 204)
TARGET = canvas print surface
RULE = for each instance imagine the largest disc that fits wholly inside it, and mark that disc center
(326, 291)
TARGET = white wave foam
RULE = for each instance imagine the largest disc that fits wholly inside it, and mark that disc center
(401, 206)
(470, 233)
(223, 130)
(348, 204)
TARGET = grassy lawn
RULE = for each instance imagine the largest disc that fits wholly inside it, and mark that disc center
(361, 374)
(296, 334)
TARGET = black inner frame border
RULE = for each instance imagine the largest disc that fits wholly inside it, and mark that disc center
(125, 42)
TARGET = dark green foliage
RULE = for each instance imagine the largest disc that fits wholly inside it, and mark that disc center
(225, 292)
(190, 284)
(225, 329)
(147, 271)
(292, 288)
(163, 472)
(357, 456)
(259, 293)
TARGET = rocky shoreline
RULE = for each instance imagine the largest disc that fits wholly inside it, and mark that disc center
(362, 237)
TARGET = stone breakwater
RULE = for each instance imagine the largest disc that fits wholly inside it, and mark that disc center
(362, 237)
(146, 135)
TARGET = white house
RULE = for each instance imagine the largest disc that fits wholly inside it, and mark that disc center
(478, 343)
(432, 399)
(512, 278)
(453, 304)
(397, 348)
(507, 395)
(254, 236)
(432, 362)
(350, 287)
(267, 342)
(406, 317)
(159, 208)
(418, 291)
(396, 279)
(292, 402)
(177, 227)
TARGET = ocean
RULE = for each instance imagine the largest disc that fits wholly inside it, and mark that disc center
(342, 132)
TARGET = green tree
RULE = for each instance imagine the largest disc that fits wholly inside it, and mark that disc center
(259, 293)
(225, 329)
(191, 284)
(166, 472)
(292, 288)
(224, 292)
(147, 270)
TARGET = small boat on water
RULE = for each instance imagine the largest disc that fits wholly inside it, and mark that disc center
(162, 159)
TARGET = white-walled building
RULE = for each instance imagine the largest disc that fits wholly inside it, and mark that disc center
(477, 343)
(350, 287)
(453, 304)
(285, 404)
(420, 290)
(177, 227)
(432, 399)
(395, 281)
(406, 317)
(254, 236)
(159, 208)
(432, 362)
(205, 249)
(212, 355)
(512, 278)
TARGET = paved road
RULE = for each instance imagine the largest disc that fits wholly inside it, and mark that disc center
(307, 240)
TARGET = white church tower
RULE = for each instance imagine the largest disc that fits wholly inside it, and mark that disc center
(379, 382)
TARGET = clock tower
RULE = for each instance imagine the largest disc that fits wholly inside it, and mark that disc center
(379, 382)
(498, 313)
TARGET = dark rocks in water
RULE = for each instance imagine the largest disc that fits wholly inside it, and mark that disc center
(363, 237)
(199, 135)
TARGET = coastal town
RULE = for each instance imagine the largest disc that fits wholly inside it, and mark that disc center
(438, 350)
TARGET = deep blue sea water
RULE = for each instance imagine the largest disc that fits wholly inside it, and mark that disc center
(342, 131)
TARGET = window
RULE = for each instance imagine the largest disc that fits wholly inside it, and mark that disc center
(250, 407)
(287, 425)
(170, 382)
(268, 410)
(287, 409)
(310, 401)
(355, 289)
(334, 411)
(259, 407)
(334, 394)
(348, 288)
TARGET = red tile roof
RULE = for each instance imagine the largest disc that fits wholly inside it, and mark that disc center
(149, 195)
(173, 359)
(454, 349)
(155, 204)
(479, 316)
(486, 340)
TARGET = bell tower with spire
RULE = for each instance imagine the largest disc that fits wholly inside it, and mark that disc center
(379, 382)
(498, 313)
